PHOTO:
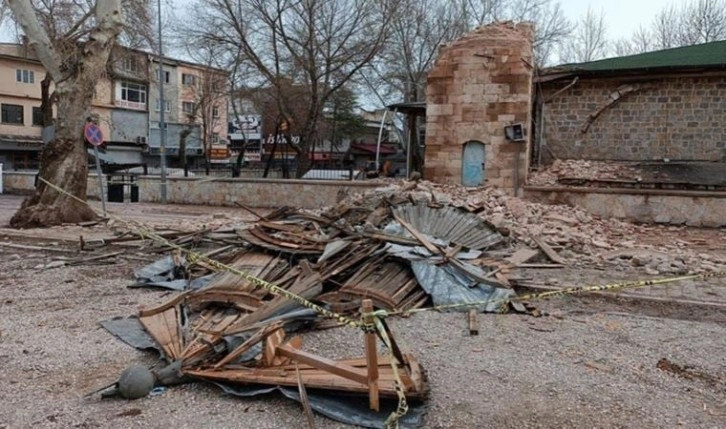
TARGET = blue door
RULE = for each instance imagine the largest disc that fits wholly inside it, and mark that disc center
(472, 171)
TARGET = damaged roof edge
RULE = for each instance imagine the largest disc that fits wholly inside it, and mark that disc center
(693, 59)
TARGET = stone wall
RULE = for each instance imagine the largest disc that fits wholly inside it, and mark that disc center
(701, 209)
(18, 182)
(679, 118)
(479, 84)
(267, 193)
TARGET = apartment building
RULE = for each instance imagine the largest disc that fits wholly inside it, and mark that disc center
(21, 122)
(195, 110)
(126, 106)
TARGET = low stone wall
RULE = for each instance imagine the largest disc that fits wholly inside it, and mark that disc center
(269, 193)
(18, 182)
(266, 193)
(705, 209)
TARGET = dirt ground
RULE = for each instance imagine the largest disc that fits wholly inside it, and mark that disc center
(590, 362)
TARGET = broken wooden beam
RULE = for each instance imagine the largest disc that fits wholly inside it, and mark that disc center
(251, 341)
(549, 251)
(371, 357)
(304, 399)
(325, 364)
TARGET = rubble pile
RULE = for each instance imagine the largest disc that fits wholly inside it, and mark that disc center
(583, 170)
(246, 290)
(579, 238)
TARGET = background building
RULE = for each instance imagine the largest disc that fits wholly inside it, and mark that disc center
(125, 105)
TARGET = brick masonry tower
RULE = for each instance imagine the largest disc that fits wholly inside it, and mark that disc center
(480, 85)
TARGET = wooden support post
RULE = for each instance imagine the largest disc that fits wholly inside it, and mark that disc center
(371, 358)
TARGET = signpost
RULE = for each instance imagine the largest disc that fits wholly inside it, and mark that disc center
(94, 136)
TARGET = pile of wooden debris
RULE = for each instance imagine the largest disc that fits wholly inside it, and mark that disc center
(393, 253)
(400, 247)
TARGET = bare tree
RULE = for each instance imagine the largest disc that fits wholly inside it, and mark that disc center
(641, 41)
(589, 41)
(73, 41)
(693, 22)
(550, 23)
(479, 12)
(551, 26)
(703, 21)
(317, 45)
(417, 31)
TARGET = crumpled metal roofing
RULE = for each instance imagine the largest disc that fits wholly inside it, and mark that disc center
(448, 285)
(451, 224)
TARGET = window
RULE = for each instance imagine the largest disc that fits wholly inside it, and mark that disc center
(12, 114)
(133, 93)
(25, 76)
(188, 79)
(37, 116)
(165, 76)
(215, 138)
(167, 106)
(215, 111)
(189, 107)
(131, 64)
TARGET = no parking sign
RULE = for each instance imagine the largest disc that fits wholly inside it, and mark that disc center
(93, 134)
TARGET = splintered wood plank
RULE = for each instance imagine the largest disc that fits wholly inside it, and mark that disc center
(549, 251)
(383, 360)
(388, 283)
(308, 287)
(304, 400)
(371, 358)
(418, 380)
(254, 263)
(522, 255)
(242, 300)
(273, 340)
(419, 236)
(164, 328)
(178, 299)
(256, 338)
(319, 362)
(294, 342)
(327, 381)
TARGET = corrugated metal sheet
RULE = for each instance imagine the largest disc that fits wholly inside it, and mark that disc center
(447, 285)
(451, 224)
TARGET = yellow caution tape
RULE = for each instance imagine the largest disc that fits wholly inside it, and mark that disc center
(555, 293)
(144, 233)
(402, 408)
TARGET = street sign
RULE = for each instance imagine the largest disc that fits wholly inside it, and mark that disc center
(93, 134)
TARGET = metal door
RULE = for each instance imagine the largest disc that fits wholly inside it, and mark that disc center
(472, 171)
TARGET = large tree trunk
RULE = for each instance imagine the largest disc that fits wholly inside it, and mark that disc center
(64, 163)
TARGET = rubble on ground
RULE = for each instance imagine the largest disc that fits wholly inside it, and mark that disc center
(400, 247)
(579, 238)
(569, 170)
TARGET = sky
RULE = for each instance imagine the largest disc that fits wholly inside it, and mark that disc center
(622, 17)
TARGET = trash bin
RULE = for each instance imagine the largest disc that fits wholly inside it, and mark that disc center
(115, 192)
